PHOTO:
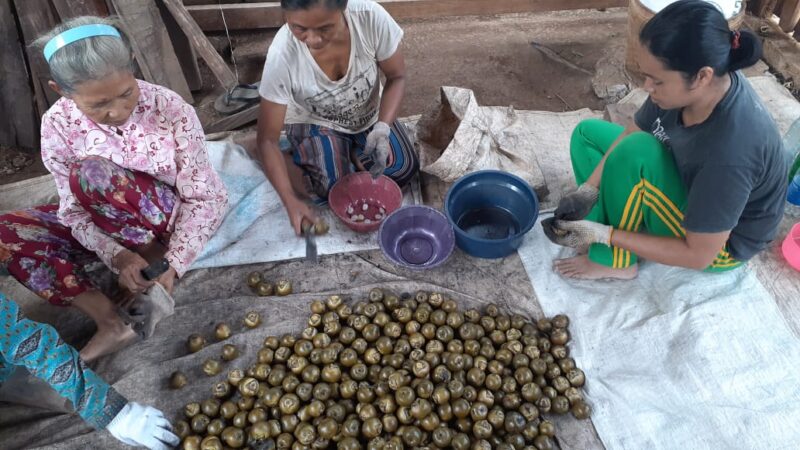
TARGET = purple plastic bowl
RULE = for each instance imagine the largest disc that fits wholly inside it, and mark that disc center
(417, 237)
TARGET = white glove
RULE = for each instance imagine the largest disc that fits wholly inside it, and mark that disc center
(577, 234)
(145, 426)
(378, 147)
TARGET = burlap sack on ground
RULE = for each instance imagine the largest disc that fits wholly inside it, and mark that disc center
(458, 136)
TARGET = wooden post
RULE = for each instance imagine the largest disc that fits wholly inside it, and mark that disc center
(152, 46)
(790, 15)
(21, 124)
(200, 43)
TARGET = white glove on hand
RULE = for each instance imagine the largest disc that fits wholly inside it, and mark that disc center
(577, 204)
(378, 147)
(146, 426)
(577, 234)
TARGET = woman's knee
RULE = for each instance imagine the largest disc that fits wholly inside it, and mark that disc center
(586, 133)
(639, 148)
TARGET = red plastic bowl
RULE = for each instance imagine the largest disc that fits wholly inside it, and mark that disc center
(355, 190)
(791, 247)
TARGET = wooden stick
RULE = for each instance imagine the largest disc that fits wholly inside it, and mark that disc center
(215, 62)
(549, 53)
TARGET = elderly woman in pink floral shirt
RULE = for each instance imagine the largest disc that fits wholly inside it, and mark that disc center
(133, 177)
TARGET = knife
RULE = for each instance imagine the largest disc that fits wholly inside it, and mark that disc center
(311, 243)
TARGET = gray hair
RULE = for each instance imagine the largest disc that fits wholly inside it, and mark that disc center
(88, 59)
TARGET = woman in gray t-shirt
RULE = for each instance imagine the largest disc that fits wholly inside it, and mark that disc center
(703, 186)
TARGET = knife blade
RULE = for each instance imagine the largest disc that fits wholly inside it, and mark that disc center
(311, 242)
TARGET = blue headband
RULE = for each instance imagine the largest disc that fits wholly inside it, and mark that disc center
(76, 34)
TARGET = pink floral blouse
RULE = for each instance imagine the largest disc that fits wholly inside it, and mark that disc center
(162, 138)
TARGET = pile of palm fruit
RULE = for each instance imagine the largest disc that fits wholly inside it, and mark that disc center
(392, 372)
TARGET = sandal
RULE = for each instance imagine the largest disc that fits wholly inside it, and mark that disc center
(237, 99)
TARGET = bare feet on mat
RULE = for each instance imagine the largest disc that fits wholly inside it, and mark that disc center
(108, 339)
(580, 267)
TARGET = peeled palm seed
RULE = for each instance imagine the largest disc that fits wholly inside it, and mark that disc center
(211, 367)
(265, 289)
(283, 287)
(252, 319)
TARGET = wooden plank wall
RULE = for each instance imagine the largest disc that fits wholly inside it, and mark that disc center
(35, 18)
(18, 128)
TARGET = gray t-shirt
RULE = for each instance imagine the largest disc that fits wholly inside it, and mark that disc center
(733, 167)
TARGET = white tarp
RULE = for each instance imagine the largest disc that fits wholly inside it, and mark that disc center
(677, 359)
(256, 228)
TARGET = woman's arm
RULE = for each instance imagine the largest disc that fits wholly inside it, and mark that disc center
(394, 69)
(270, 124)
(204, 198)
(695, 251)
(39, 348)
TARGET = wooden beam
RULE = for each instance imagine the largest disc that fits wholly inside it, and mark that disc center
(20, 128)
(242, 16)
(239, 16)
(152, 45)
(200, 43)
(233, 121)
(790, 15)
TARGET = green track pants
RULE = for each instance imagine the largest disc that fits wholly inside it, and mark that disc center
(640, 190)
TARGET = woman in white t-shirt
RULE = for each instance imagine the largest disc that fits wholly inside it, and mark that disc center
(321, 84)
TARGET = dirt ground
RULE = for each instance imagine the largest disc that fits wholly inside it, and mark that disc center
(492, 55)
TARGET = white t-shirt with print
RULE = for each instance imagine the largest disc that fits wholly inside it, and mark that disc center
(293, 78)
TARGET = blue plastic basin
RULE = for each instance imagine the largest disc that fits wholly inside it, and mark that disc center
(491, 211)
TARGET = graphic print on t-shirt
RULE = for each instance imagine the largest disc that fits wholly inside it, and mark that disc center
(348, 105)
(660, 133)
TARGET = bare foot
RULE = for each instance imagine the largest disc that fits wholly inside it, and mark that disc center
(108, 339)
(580, 267)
